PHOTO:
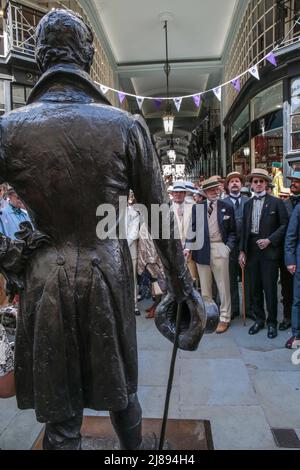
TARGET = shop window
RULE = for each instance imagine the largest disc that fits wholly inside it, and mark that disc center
(295, 115)
(268, 100)
(2, 105)
(20, 94)
(240, 123)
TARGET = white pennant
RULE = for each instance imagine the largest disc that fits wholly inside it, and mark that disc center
(254, 72)
(177, 102)
(140, 101)
(218, 92)
(104, 89)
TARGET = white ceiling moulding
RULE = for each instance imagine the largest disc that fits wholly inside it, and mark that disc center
(139, 70)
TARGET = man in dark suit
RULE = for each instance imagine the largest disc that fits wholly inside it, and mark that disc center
(233, 184)
(285, 276)
(219, 239)
(264, 225)
(292, 261)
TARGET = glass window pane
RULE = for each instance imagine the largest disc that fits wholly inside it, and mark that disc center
(296, 141)
(2, 94)
(295, 105)
(296, 123)
(240, 123)
(268, 100)
(18, 94)
(295, 87)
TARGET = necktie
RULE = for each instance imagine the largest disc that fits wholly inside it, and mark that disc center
(237, 203)
(210, 208)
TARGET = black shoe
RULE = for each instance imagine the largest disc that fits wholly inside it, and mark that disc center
(137, 313)
(256, 328)
(284, 325)
(235, 315)
(272, 331)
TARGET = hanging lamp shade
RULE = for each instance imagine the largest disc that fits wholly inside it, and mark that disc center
(168, 120)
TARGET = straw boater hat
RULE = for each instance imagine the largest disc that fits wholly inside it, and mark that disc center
(234, 174)
(210, 183)
(190, 187)
(294, 176)
(260, 173)
(179, 187)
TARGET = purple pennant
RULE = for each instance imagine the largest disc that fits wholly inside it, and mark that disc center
(236, 83)
(157, 103)
(272, 59)
(197, 100)
(121, 96)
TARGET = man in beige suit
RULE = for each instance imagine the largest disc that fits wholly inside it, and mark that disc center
(182, 206)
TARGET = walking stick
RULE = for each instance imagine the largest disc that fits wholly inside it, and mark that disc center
(170, 381)
(243, 296)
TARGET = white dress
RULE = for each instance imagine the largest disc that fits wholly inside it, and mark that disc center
(6, 354)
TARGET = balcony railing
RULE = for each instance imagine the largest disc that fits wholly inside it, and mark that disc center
(19, 26)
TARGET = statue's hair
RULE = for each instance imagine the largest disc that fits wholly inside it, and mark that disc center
(63, 36)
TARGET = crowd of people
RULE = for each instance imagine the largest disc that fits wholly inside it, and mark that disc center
(251, 232)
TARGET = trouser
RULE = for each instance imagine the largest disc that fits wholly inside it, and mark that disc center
(219, 268)
(286, 280)
(127, 425)
(296, 306)
(264, 277)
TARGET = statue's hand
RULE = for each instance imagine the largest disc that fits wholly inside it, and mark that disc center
(33, 238)
(194, 320)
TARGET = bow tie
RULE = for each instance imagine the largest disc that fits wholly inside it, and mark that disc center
(258, 198)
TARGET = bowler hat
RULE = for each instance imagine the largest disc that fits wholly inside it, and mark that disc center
(260, 173)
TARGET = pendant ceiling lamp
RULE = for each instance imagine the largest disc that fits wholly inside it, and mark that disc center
(168, 118)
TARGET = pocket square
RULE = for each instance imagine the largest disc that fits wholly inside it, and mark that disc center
(226, 217)
(223, 210)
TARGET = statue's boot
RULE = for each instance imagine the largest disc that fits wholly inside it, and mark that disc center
(128, 424)
(63, 436)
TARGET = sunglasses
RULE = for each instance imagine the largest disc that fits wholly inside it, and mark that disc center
(258, 181)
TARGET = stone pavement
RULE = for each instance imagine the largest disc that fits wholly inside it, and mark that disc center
(245, 385)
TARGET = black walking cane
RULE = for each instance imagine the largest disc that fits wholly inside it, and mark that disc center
(170, 381)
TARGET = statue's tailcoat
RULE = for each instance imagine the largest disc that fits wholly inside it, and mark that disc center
(65, 153)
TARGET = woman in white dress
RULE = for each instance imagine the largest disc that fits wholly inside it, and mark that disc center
(7, 383)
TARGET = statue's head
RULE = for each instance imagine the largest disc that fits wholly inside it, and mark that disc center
(63, 37)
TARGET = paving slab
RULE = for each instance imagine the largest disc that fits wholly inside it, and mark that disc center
(236, 427)
(214, 346)
(22, 432)
(214, 382)
(154, 368)
(8, 411)
(279, 396)
(276, 360)
(152, 400)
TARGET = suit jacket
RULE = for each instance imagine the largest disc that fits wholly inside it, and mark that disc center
(227, 227)
(238, 213)
(290, 206)
(292, 240)
(273, 225)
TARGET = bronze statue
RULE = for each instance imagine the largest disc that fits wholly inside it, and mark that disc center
(65, 153)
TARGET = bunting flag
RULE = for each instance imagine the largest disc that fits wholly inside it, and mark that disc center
(254, 72)
(177, 102)
(104, 89)
(140, 101)
(236, 83)
(272, 59)
(218, 92)
(197, 100)
(158, 103)
(121, 96)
